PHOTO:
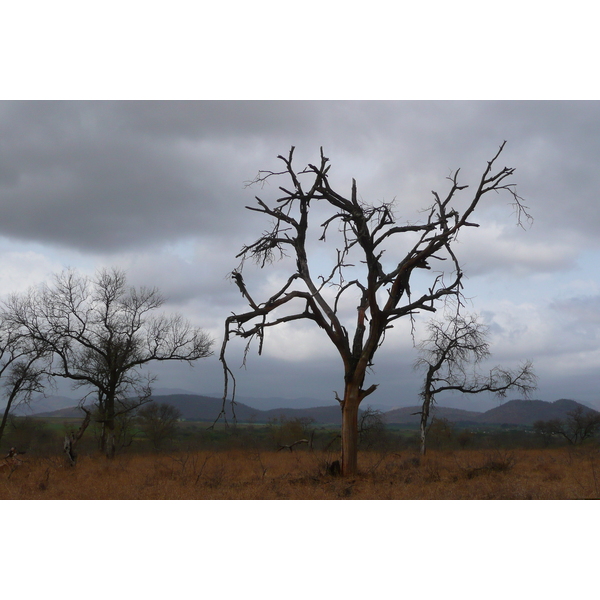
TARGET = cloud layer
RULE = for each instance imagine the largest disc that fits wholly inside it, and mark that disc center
(159, 188)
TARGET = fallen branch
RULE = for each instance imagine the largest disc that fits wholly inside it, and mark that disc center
(291, 446)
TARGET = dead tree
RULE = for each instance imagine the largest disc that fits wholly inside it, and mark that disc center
(73, 437)
(379, 285)
(101, 332)
(450, 356)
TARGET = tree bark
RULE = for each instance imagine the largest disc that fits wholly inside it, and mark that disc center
(110, 448)
(424, 419)
(103, 437)
(16, 388)
(350, 406)
(5, 417)
(108, 431)
(72, 439)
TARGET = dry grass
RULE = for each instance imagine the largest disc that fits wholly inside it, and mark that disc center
(478, 474)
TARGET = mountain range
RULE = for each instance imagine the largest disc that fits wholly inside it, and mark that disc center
(203, 408)
(513, 412)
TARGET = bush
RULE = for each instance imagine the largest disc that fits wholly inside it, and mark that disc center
(158, 421)
(30, 435)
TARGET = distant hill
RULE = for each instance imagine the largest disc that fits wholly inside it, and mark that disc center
(527, 412)
(271, 402)
(321, 414)
(407, 415)
(203, 408)
(192, 407)
(513, 412)
(72, 412)
(43, 405)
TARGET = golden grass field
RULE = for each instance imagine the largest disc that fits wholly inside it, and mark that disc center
(562, 473)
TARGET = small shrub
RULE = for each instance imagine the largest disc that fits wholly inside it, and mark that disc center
(494, 463)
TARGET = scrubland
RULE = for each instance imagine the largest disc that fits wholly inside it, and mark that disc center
(551, 473)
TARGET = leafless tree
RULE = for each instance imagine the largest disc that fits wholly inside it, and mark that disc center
(450, 356)
(379, 286)
(22, 367)
(371, 427)
(159, 422)
(101, 333)
(580, 425)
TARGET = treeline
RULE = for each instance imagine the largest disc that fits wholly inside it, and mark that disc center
(158, 428)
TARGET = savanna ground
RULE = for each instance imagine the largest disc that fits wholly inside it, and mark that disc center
(555, 473)
(192, 461)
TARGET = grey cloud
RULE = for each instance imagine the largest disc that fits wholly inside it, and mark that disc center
(111, 175)
(122, 181)
(579, 319)
(182, 280)
(100, 176)
(213, 119)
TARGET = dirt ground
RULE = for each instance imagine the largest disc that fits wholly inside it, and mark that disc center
(566, 473)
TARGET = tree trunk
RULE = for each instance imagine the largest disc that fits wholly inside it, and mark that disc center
(423, 434)
(4, 419)
(72, 439)
(350, 429)
(424, 419)
(110, 448)
(9, 404)
(102, 442)
(109, 429)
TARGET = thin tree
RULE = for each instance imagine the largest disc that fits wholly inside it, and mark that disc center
(101, 333)
(450, 357)
(367, 273)
(371, 427)
(22, 367)
(158, 421)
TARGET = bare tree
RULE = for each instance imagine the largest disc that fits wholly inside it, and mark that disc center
(159, 422)
(580, 425)
(450, 356)
(22, 367)
(101, 333)
(371, 427)
(380, 288)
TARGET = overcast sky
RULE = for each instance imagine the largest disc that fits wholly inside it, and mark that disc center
(158, 189)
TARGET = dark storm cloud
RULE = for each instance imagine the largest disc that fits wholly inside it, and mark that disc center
(106, 176)
(113, 175)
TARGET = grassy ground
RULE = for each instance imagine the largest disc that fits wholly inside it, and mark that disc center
(562, 473)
